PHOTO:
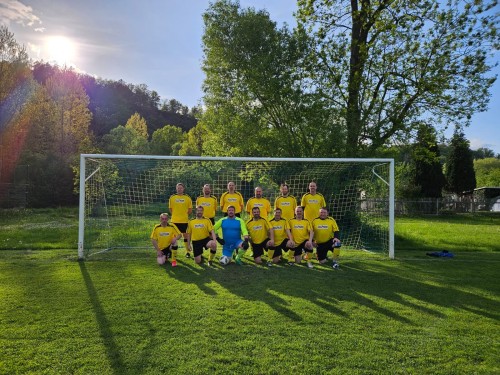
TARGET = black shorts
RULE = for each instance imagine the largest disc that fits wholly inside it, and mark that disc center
(200, 245)
(323, 248)
(182, 227)
(167, 252)
(258, 248)
(297, 250)
(280, 248)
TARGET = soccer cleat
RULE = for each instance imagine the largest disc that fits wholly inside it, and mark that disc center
(290, 264)
(310, 265)
(174, 263)
(335, 265)
(269, 264)
(238, 261)
(188, 255)
(210, 263)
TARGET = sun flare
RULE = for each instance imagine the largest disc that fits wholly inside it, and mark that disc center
(60, 50)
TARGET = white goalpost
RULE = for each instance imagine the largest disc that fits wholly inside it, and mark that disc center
(122, 196)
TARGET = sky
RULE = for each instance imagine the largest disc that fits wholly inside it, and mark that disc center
(157, 43)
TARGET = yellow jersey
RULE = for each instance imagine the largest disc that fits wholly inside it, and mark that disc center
(312, 204)
(279, 228)
(209, 205)
(287, 205)
(262, 203)
(179, 206)
(231, 199)
(300, 230)
(324, 229)
(258, 230)
(200, 228)
(164, 235)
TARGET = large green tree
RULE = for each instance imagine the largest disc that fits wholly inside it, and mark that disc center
(259, 101)
(460, 175)
(386, 64)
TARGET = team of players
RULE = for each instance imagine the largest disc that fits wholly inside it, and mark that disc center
(293, 229)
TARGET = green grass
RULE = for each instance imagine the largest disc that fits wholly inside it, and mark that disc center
(127, 315)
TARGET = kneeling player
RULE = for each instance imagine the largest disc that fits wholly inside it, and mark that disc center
(302, 235)
(164, 239)
(261, 235)
(200, 236)
(326, 237)
(282, 238)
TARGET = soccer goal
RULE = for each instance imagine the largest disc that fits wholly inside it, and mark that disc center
(122, 196)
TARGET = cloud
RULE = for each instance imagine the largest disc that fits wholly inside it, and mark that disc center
(476, 143)
(15, 11)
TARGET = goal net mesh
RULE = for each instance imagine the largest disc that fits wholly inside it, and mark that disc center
(125, 196)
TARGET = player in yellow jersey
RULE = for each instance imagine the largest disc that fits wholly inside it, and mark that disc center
(231, 198)
(201, 235)
(282, 238)
(181, 206)
(209, 203)
(260, 234)
(326, 237)
(258, 201)
(312, 202)
(164, 239)
(286, 203)
(302, 235)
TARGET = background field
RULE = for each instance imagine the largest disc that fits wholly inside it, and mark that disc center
(127, 315)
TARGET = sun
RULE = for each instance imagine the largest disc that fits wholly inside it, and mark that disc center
(60, 50)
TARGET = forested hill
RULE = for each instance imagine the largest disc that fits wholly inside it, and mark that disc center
(112, 103)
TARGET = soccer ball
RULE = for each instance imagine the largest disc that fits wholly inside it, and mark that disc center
(161, 259)
(224, 260)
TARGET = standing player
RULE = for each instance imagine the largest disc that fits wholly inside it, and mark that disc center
(232, 228)
(312, 202)
(302, 235)
(231, 198)
(282, 238)
(181, 206)
(286, 203)
(209, 203)
(200, 233)
(257, 201)
(164, 239)
(326, 237)
(261, 235)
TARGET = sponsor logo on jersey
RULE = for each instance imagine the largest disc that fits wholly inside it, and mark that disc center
(285, 203)
(232, 199)
(313, 201)
(178, 200)
(199, 226)
(205, 204)
(257, 227)
(322, 226)
(298, 226)
(164, 234)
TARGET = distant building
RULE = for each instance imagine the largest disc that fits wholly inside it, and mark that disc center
(488, 198)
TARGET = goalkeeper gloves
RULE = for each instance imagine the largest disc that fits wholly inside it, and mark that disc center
(245, 244)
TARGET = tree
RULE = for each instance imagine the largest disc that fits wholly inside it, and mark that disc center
(193, 143)
(164, 139)
(487, 172)
(427, 173)
(385, 65)
(138, 124)
(258, 99)
(483, 153)
(460, 175)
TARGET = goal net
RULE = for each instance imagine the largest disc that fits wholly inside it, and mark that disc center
(122, 196)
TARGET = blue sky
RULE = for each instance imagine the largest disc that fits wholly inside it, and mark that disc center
(155, 42)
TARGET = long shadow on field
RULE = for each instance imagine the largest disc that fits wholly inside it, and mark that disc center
(112, 350)
(427, 288)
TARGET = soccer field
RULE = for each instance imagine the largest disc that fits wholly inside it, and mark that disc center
(128, 315)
